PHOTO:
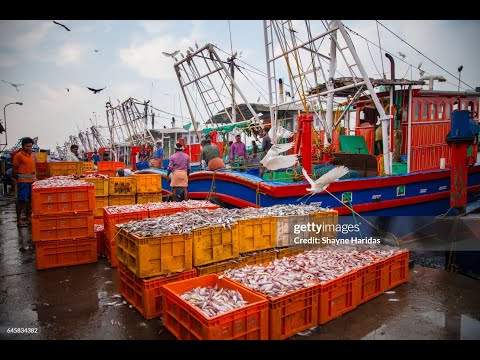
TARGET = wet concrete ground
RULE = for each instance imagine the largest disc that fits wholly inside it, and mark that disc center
(76, 302)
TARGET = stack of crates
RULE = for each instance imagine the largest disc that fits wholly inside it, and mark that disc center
(113, 216)
(101, 196)
(149, 188)
(64, 168)
(63, 225)
(109, 168)
(122, 190)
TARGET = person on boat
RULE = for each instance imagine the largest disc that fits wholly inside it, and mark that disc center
(211, 155)
(73, 154)
(228, 149)
(179, 167)
(158, 156)
(95, 158)
(203, 164)
(254, 151)
(238, 154)
(106, 156)
(143, 155)
(266, 145)
(121, 172)
(379, 139)
(24, 174)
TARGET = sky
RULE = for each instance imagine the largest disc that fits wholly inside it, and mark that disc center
(47, 59)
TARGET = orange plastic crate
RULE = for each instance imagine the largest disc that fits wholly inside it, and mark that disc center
(98, 220)
(110, 251)
(337, 297)
(369, 282)
(58, 253)
(100, 242)
(146, 294)
(395, 270)
(43, 170)
(110, 165)
(111, 220)
(57, 227)
(187, 322)
(63, 200)
(163, 212)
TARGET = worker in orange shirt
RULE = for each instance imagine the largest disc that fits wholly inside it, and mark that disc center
(24, 173)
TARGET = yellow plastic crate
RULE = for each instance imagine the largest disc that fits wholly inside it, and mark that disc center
(257, 234)
(100, 203)
(153, 256)
(87, 166)
(42, 156)
(101, 185)
(65, 168)
(258, 257)
(214, 244)
(328, 220)
(148, 183)
(146, 198)
(122, 186)
(292, 250)
(121, 200)
(285, 229)
(218, 267)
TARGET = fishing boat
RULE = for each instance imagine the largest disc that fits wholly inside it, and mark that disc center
(412, 173)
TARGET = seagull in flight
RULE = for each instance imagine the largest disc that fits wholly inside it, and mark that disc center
(68, 90)
(96, 50)
(274, 161)
(66, 28)
(322, 183)
(95, 90)
(172, 55)
(14, 85)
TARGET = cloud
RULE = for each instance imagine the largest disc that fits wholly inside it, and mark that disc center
(7, 60)
(155, 27)
(72, 54)
(25, 40)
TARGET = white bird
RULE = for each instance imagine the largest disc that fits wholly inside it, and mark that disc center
(402, 54)
(419, 65)
(280, 133)
(323, 181)
(274, 161)
(172, 55)
(14, 85)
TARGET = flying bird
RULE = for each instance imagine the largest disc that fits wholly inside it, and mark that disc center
(402, 54)
(95, 90)
(196, 45)
(68, 90)
(460, 68)
(274, 161)
(172, 54)
(280, 133)
(322, 183)
(96, 50)
(66, 28)
(419, 65)
(14, 85)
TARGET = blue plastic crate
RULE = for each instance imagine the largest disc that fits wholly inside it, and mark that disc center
(142, 165)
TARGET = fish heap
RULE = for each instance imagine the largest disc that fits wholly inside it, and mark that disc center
(213, 301)
(122, 209)
(290, 209)
(288, 274)
(60, 181)
(190, 204)
(101, 176)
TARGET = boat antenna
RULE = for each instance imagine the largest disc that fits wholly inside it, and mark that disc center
(380, 46)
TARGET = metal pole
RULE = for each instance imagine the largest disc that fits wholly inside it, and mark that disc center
(409, 134)
(5, 118)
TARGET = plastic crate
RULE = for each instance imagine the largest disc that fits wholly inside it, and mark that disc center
(41, 157)
(163, 212)
(257, 234)
(110, 165)
(219, 267)
(87, 166)
(146, 294)
(100, 203)
(122, 186)
(154, 256)
(285, 226)
(110, 252)
(337, 297)
(369, 282)
(146, 198)
(259, 257)
(395, 270)
(109, 173)
(98, 220)
(215, 243)
(100, 184)
(291, 250)
(111, 220)
(121, 200)
(327, 219)
(99, 235)
(42, 170)
(187, 322)
(142, 165)
(148, 183)
(57, 227)
(58, 253)
(65, 168)
(63, 200)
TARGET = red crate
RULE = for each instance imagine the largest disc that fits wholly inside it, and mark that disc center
(100, 242)
(368, 282)
(110, 165)
(187, 322)
(110, 220)
(110, 251)
(57, 227)
(163, 212)
(43, 170)
(395, 270)
(337, 297)
(146, 294)
(58, 253)
(63, 200)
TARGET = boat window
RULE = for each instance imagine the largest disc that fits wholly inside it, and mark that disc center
(417, 111)
(463, 105)
(448, 111)
(433, 111)
(425, 112)
(441, 107)
(471, 106)
(455, 106)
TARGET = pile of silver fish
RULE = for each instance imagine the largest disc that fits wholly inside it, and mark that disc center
(89, 176)
(213, 301)
(122, 209)
(190, 204)
(290, 209)
(60, 181)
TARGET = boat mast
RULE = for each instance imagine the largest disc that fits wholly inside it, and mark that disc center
(331, 76)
